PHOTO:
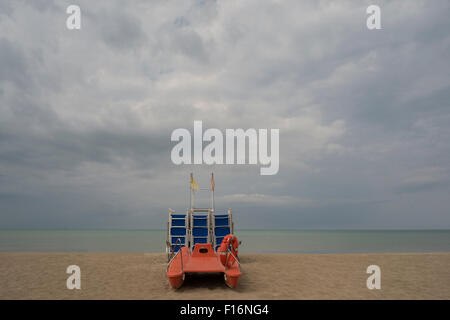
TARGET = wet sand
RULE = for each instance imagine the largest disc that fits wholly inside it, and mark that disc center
(265, 276)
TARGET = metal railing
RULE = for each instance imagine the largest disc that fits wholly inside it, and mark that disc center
(178, 252)
(231, 253)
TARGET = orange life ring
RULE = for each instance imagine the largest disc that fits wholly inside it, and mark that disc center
(232, 241)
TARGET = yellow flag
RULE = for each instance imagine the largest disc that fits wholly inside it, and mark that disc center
(194, 185)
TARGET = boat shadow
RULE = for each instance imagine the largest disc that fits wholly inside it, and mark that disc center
(210, 281)
(203, 280)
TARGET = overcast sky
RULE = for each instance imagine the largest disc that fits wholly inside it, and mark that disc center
(86, 115)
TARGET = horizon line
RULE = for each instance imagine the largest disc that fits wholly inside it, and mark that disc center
(244, 229)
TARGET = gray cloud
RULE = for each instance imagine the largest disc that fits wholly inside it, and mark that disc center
(86, 116)
(121, 31)
(14, 69)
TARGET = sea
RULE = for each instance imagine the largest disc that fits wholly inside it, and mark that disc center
(253, 241)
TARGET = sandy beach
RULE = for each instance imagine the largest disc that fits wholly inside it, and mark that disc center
(265, 276)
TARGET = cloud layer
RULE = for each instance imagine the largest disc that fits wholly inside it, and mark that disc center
(86, 116)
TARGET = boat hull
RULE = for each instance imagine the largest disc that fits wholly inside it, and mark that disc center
(231, 281)
(202, 260)
(177, 281)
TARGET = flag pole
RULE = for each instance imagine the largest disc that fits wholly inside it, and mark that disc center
(212, 190)
(192, 191)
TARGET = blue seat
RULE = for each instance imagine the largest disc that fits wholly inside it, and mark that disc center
(178, 234)
(221, 220)
(200, 222)
(200, 240)
(222, 227)
(218, 241)
(176, 245)
(178, 223)
(178, 229)
(200, 232)
(221, 231)
(200, 228)
(175, 240)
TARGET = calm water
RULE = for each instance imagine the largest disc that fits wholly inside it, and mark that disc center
(253, 241)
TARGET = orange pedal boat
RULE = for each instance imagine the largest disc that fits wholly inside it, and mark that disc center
(201, 241)
(203, 259)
